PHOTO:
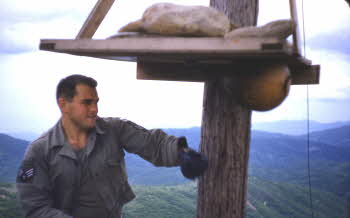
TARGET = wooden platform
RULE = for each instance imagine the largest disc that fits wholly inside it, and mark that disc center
(189, 59)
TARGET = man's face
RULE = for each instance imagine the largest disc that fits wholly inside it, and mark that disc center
(82, 110)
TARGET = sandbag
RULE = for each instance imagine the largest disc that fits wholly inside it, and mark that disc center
(179, 20)
(279, 29)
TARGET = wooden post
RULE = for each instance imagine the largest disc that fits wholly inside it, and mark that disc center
(296, 34)
(225, 133)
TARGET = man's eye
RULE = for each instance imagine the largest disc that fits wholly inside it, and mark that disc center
(87, 102)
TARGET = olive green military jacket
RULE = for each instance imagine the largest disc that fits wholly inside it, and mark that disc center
(47, 179)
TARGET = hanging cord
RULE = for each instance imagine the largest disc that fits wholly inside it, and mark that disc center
(308, 118)
(308, 149)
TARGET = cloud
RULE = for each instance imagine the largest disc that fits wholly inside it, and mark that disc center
(335, 74)
(322, 110)
(39, 10)
(333, 100)
(30, 79)
(330, 109)
(24, 23)
(11, 46)
(326, 23)
(338, 40)
(21, 37)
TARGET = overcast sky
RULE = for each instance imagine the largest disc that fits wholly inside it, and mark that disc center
(29, 76)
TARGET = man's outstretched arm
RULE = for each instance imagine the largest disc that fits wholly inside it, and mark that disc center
(161, 149)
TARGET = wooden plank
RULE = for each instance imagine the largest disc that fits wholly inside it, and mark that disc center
(174, 46)
(202, 72)
(94, 19)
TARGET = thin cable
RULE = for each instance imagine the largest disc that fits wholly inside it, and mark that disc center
(304, 41)
(308, 149)
(308, 118)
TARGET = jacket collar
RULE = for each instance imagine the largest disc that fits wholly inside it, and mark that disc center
(58, 138)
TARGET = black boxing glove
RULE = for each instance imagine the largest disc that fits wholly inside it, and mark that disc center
(192, 163)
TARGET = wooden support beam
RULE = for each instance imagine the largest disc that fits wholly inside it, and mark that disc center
(94, 19)
(206, 72)
(305, 75)
(179, 72)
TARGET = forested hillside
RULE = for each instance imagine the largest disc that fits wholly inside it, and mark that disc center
(266, 199)
(9, 207)
(337, 137)
(11, 153)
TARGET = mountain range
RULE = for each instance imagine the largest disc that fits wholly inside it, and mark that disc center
(296, 127)
(11, 154)
(329, 153)
(288, 127)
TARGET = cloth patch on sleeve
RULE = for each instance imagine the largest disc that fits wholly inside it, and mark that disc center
(26, 173)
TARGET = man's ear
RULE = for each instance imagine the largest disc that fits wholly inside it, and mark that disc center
(62, 104)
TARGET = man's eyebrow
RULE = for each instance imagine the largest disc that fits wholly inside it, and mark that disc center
(89, 100)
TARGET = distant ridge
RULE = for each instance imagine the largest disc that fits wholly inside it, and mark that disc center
(11, 153)
(295, 127)
(337, 136)
(288, 127)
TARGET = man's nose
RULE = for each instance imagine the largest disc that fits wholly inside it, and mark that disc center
(94, 108)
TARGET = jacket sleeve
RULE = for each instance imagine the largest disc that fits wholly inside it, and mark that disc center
(33, 187)
(153, 145)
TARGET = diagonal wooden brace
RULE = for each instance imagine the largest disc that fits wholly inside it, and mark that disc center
(94, 19)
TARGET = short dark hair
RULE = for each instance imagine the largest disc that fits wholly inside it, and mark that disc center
(66, 87)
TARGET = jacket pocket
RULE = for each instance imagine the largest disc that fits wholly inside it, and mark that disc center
(114, 172)
(118, 178)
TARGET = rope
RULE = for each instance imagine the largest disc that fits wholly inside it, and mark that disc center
(308, 150)
(308, 118)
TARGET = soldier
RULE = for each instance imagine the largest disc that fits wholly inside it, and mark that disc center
(77, 168)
